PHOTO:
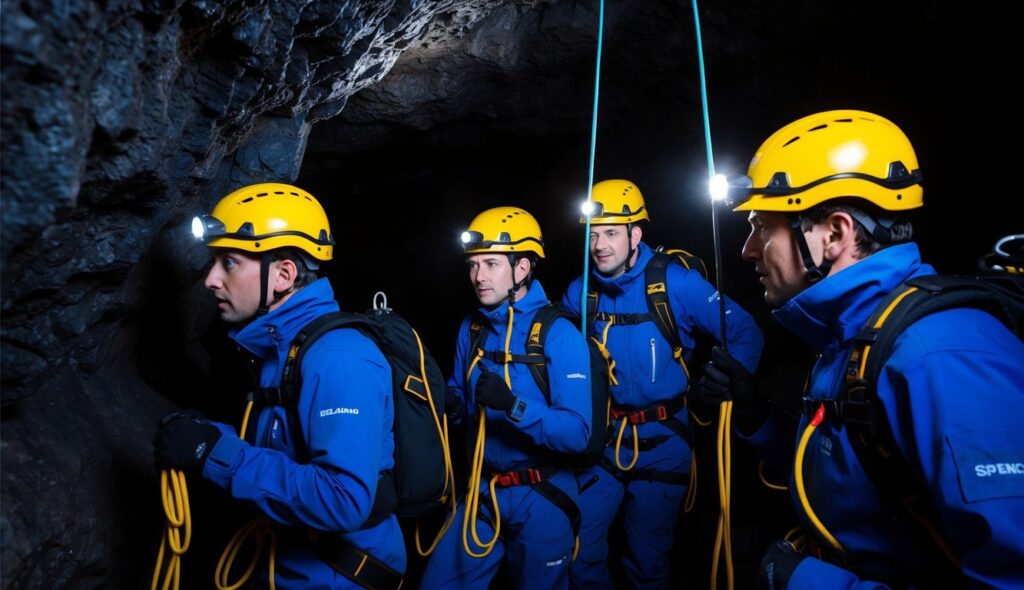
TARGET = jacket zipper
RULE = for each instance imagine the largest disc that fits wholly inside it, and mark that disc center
(653, 362)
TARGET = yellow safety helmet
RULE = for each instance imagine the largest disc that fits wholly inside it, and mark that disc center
(615, 202)
(510, 230)
(263, 217)
(832, 155)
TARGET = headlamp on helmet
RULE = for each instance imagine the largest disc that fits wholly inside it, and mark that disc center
(207, 227)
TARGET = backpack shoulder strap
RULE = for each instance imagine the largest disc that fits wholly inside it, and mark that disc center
(535, 339)
(689, 260)
(657, 298)
(861, 410)
(291, 377)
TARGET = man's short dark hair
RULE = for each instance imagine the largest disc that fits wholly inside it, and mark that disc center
(900, 231)
(305, 275)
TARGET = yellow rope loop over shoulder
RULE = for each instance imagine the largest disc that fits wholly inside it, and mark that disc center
(764, 480)
(174, 496)
(618, 447)
(262, 534)
(723, 533)
(798, 476)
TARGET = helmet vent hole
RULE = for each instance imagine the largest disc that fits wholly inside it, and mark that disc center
(899, 197)
(294, 194)
(789, 202)
(257, 244)
(797, 138)
(308, 199)
(246, 200)
(278, 192)
(818, 128)
(262, 194)
(798, 200)
(847, 120)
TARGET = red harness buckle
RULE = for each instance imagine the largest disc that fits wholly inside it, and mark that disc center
(529, 476)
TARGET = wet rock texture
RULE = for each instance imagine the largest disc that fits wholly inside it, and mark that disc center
(121, 120)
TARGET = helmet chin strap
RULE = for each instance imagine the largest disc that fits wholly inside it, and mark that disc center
(815, 272)
(632, 250)
(264, 278)
(516, 286)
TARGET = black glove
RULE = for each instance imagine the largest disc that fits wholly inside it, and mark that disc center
(778, 565)
(184, 441)
(452, 403)
(726, 379)
(492, 392)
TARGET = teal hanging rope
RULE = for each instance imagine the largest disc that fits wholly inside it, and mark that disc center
(590, 171)
(711, 172)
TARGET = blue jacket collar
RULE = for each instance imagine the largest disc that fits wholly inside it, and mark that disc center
(263, 335)
(834, 310)
(534, 299)
(615, 285)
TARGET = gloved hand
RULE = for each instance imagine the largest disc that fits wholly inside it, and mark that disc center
(778, 565)
(184, 441)
(726, 379)
(452, 403)
(492, 391)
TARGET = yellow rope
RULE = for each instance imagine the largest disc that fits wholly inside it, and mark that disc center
(691, 493)
(764, 480)
(449, 482)
(723, 533)
(477, 464)
(174, 496)
(258, 527)
(618, 446)
(261, 532)
(798, 471)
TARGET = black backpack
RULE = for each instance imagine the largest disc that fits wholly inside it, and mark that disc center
(859, 407)
(659, 308)
(418, 483)
(535, 360)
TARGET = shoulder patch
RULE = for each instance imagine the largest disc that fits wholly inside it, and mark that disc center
(989, 463)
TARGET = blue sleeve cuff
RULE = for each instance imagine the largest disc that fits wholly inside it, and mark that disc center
(224, 460)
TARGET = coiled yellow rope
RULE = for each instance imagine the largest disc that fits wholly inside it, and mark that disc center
(174, 495)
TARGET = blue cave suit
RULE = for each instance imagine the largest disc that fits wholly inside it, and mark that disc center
(345, 414)
(536, 535)
(648, 375)
(953, 391)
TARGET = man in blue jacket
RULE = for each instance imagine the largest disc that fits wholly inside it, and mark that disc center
(522, 501)
(830, 239)
(315, 477)
(645, 471)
